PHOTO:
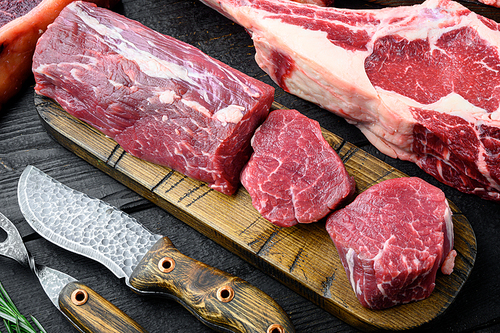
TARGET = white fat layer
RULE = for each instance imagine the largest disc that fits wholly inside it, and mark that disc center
(230, 114)
(382, 250)
(297, 41)
(115, 84)
(167, 97)
(349, 257)
(302, 43)
(74, 74)
(449, 226)
(434, 22)
(317, 52)
(380, 287)
(452, 104)
(197, 106)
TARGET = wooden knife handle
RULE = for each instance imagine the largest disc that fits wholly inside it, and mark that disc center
(220, 300)
(92, 313)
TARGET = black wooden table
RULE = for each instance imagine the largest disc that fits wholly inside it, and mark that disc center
(23, 141)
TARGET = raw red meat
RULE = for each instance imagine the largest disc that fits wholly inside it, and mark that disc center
(323, 3)
(162, 100)
(392, 239)
(421, 82)
(294, 175)
(494, 3)
(22, 23)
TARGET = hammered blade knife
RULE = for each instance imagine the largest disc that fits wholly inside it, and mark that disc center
(87, 311)
(149, 263)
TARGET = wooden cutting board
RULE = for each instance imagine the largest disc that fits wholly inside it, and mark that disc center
(302, 257)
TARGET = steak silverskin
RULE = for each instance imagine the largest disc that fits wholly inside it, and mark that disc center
(392, 239)
(421, 82)
(294, 175)
(162, 100)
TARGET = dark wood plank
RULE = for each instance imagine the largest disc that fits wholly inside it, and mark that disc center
(302, 257)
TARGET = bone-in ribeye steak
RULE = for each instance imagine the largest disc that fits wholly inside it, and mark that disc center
(392, 239)
(162, 100)
(494, 3)
(294, 175)
(322, 3)
(421, 82)
(21, 24)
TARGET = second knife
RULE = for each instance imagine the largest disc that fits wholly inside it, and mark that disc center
(149, 263)
(88, 311)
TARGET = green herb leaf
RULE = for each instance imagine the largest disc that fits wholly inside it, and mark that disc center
(37, 323)
(14, 321)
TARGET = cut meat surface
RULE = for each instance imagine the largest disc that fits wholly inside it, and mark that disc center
(21, 24)
(294, 175)
(494, 3)
(162, 100)
(322, 3)
(421, 82)
(392, 239)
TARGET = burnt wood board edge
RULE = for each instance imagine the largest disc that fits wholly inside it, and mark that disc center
(302, 257)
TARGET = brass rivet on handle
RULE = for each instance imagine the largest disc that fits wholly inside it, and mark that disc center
(275, 328)
(225, 294)
(79, 297)
(166, 264)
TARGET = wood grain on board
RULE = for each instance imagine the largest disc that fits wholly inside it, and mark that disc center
(302, 257)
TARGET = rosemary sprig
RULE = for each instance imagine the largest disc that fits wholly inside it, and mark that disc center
(14, 321)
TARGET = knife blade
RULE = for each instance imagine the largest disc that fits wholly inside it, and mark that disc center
(86, 310)
(149, 263)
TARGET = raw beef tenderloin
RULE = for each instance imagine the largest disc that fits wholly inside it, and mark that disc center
(392, 239)
(162, 100)
(21, 24)
(294, 175)
(421, 82)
